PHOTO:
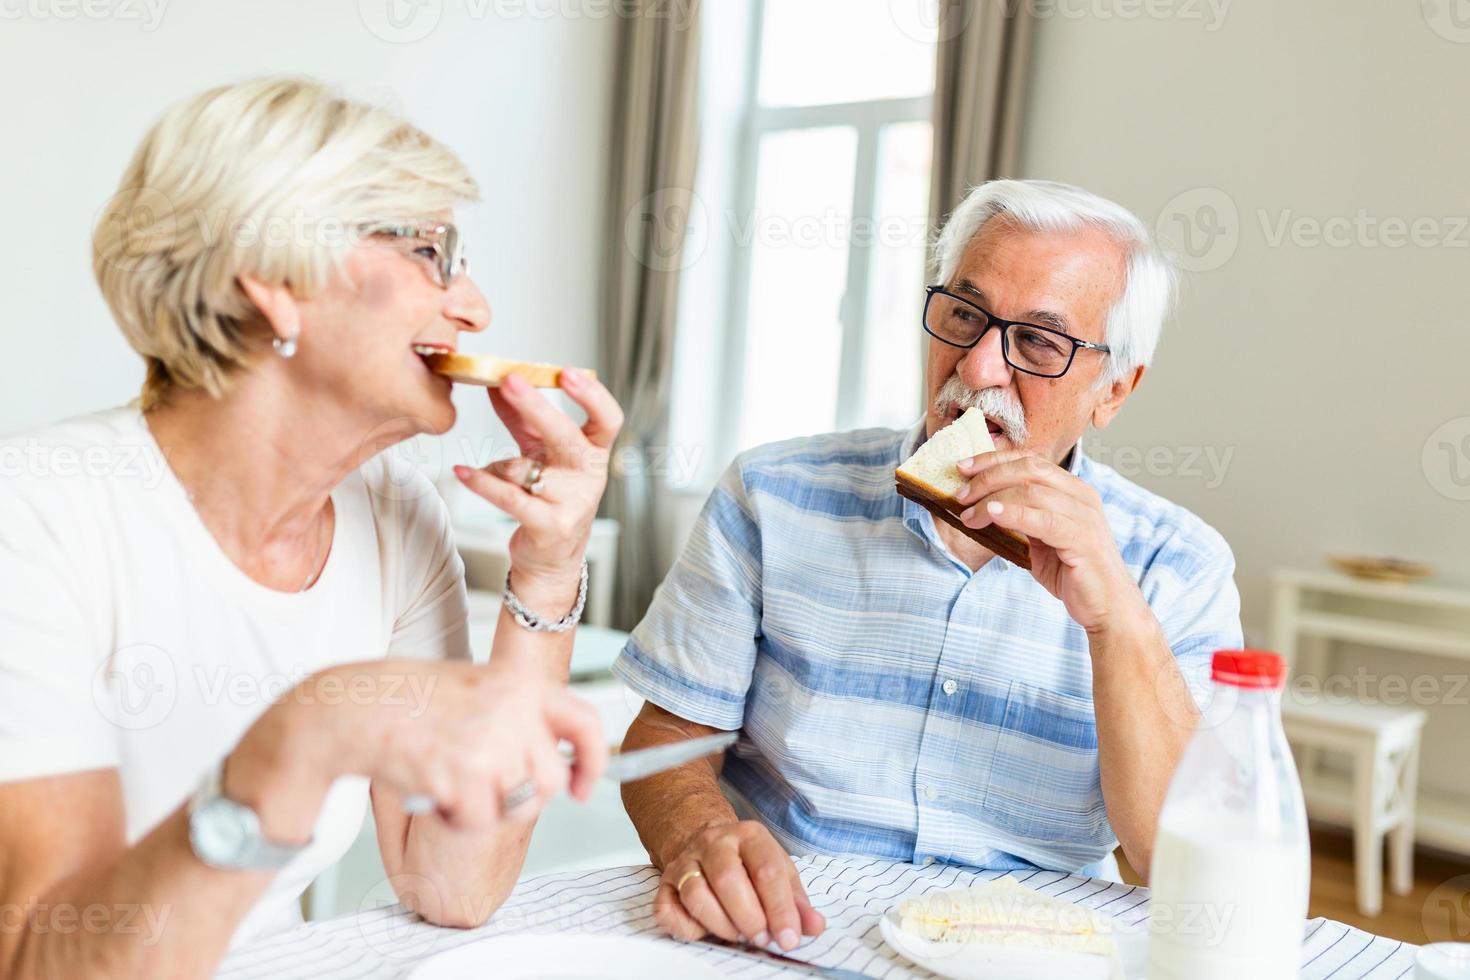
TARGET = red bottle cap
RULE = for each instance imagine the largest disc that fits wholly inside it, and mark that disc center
(1249, 668)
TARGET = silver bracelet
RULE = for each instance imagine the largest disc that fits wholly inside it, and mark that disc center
(538, 624)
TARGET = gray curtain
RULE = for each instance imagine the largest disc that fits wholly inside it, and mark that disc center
(651, 162)
(978, 96)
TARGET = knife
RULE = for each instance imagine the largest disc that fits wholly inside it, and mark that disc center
(790, 962)
(626, 767)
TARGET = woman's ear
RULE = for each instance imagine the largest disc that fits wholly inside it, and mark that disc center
(1105, 410)
(276, 304)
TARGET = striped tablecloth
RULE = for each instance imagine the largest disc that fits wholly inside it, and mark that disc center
(852, 893)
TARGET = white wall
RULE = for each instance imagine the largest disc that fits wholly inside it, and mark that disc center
(522, 98)
(1325, 370)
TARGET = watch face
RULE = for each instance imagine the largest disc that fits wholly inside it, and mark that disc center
(223, 832)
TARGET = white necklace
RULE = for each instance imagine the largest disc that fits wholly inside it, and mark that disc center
(318, 561)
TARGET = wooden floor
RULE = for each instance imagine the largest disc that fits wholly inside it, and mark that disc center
(1437, 910)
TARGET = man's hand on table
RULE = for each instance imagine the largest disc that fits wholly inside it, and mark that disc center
(1073, 553)
(736, 881)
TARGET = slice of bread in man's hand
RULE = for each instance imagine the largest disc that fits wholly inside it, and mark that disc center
(930, 477)
(480, 369)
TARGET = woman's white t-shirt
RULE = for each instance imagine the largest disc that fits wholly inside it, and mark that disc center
(130, 641)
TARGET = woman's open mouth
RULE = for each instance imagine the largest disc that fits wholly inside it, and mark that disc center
(425, 351)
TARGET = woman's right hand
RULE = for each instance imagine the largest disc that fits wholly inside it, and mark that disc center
(459, 734)
(555, 521)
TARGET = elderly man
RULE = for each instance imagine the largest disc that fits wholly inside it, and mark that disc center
(901, 692)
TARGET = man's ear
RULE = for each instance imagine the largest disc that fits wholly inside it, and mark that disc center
(276, 304)
(1103, 412)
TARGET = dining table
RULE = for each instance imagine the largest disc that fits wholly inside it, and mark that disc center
(387, 941)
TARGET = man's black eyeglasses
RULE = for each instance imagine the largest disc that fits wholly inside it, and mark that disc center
(1032, 349)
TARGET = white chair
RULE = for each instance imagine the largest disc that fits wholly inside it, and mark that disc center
(1382, 743)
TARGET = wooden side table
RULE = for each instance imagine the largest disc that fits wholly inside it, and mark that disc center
(1310, 611)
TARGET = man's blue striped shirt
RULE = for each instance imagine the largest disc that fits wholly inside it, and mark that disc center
(893, 703)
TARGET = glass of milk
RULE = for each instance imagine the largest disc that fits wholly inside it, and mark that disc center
(1231, 864)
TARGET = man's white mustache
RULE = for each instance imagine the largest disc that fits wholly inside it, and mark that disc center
(999, 404)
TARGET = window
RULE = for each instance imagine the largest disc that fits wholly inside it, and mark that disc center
(799, 309)
(835, 156)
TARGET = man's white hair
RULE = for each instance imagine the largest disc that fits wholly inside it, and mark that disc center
(1149, 283)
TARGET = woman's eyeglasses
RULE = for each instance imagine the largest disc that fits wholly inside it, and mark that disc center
(445, 249)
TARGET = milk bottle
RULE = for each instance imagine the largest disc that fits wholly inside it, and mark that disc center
(1231, 865)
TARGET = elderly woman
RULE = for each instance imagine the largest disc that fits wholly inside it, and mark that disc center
(228, 628)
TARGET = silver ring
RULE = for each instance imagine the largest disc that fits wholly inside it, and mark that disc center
(533, 484)
(519, 796)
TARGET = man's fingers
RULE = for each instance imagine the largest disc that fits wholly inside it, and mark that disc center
(976, 464)
(769, 868)
(1037, 512)
(812, 921)
(670, 914)
(702, 905)
(729, 881)
(996, 471)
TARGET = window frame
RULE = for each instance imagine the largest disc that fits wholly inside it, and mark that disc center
(868, 119)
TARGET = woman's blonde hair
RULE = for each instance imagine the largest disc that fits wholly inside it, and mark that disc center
(274, 178)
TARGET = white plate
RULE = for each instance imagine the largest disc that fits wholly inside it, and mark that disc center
(564, 957)
(976, 961)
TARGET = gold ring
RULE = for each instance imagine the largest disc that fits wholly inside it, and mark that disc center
(687, 877)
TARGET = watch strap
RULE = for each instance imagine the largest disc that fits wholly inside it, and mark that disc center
(256, 853)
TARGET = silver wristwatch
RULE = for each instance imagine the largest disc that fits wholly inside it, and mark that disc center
(226, 834)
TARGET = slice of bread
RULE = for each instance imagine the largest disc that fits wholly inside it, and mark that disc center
(1005, 912)
(480, 369)
(931, 478)
(1004, 929)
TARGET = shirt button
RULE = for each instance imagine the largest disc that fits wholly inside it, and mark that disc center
(931, 794)
(928, 861)
(950, 686)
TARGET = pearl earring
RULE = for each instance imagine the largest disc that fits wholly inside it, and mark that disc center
(286, 348)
